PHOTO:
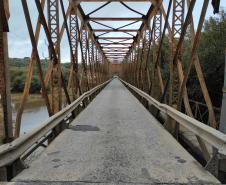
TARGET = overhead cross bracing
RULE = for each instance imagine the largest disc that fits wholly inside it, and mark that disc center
(106, 29)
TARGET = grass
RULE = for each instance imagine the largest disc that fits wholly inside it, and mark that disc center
(33, 100)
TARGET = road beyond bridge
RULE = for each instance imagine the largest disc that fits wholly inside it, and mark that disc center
(115, 140)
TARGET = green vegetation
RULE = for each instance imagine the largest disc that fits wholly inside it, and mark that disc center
(18, 72)
(211, 54)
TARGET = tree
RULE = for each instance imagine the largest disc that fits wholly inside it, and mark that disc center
(212, 59)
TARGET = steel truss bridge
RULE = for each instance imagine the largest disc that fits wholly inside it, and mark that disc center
(124, 121)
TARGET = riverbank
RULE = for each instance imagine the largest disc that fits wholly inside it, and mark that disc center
(33, 100)
(34, 112)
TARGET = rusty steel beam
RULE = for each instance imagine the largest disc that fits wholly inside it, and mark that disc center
(156, 40)
(131, 9)
(4, 75)
(201, 79)
(114, 30)
(163, 32)
(114, 38)
(73, 45)
(74, 55)
(115, 19)
(82, 18)
(192, 55)
(55, 79)
(115, 0)
(51, 46)
(97, 9)
(31, 67)
(117, 56)
(115, 52)
(150, 14)
(38, 61)
(202, 82)
(114, 47)
(99, 56)
(116, 43)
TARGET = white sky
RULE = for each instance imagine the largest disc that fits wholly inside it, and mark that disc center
(19, 42)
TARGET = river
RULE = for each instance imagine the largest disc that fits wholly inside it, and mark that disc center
(35, 112)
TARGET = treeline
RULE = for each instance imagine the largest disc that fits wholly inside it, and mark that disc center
(18, 73)
(211, 54)
(212, 57)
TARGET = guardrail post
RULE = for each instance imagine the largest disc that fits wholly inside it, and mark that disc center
(3, 174)
(15, 168)
(222, 127)
(8, 172)
(171, 125)
(56, 131)
(222, 168)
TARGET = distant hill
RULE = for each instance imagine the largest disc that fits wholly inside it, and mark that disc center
(23, 62)
(18, 71)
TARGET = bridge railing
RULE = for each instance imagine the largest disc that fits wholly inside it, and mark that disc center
(13, 151)
(212, 136)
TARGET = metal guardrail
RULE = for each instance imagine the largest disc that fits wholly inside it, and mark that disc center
(209, 134)
(12, 151)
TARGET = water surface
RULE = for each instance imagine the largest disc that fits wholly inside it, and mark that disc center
(35, 112)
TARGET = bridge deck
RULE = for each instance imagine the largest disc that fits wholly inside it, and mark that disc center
(115, 139)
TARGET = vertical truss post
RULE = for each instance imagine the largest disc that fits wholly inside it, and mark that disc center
(100, 65)
(97, 64)
(137, 48)
(90, 53)
(74, 78)
(176, 34)
(147, 46)
(140, 59)
(156, 38)
(133, 66)
(145, 43)
(176, 38)
(83, 46)
(145, 73)
(4, 74)
(177, 23)
(55, 82)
